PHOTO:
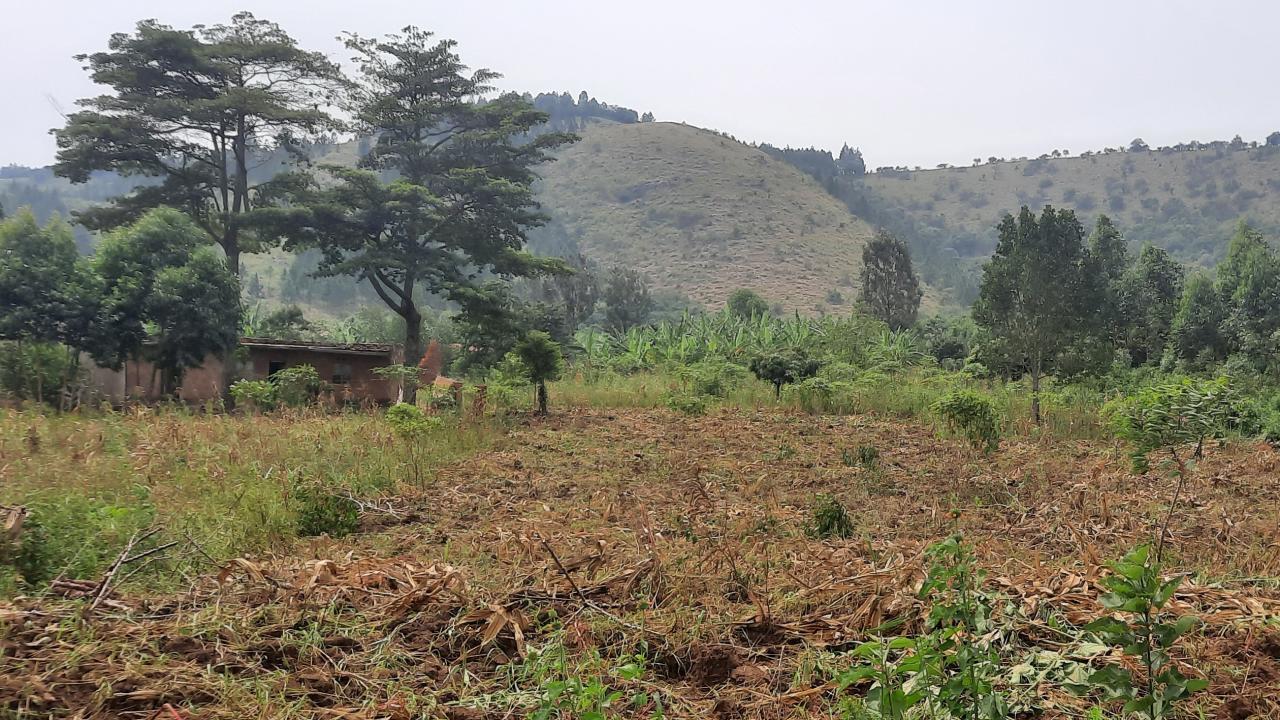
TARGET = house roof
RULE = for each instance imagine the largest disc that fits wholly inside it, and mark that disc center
(318, 347)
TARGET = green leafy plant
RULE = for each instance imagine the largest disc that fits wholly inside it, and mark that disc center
(712, 377)
(972, 415)
(297, 385)
(888, 663)
(1138, 593)
(830, 519)
(1170, 415)
(687, 403)
(955, 655)
(324, 513)
(783, 368)
(542, 362)
(254, 395)
(404, 376)
(412, 426)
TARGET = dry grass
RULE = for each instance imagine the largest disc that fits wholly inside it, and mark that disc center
(1228, 184)
(684, 539)
(703, 215)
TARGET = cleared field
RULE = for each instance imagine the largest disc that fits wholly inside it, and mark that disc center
(638, 563)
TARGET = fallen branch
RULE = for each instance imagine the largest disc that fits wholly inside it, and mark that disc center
(588, 601)
(121, 560)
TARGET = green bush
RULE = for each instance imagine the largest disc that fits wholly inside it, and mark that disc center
(297, 385)
(829, 519)
(408, 422)
(254, 395)
(784, 368)
(716, 378)
(687, 403)
(1172, 413)
(323, 513)
(972, 415)
(76, 536)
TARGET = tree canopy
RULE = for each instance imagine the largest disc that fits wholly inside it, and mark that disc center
(890, 289)
(1036, 289)
(191, 112)
(461, 199)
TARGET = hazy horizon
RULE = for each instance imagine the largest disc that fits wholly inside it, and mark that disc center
(911, 84)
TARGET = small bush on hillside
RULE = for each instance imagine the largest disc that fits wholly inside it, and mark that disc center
(323, 513)
(254, 395)
(972, 415)
(830, 520)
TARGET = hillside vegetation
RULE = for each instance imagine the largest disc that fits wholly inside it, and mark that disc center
(1184, 200)
(702, 214)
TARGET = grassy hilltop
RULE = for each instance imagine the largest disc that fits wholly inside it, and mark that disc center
(703, 214)
(1185, 200)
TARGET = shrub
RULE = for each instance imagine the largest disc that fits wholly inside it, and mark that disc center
(297, 385)
(830, 520)
(712, 377)
(408, 422)
(747, 304)
(254, 395)
(971, 414)
(783, 368)
(1170, 414)
(542, 362)
(324, 513)
(687, 403)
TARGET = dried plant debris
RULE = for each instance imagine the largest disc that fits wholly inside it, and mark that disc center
(654, 564)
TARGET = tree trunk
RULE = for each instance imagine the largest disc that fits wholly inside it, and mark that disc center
(412, 347)
(542, 397)
(1035, 392)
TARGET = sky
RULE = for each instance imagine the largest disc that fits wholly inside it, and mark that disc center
(910, 82)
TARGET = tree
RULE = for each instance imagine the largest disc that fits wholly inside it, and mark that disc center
(850, 161)
(194, 309)
(47, 291)
(1197, 334)
(576, 291)
(1108, 256)
(461, 200)
(542, 362)
(1249, 282)
(1149, 296)
(1034, 292)
(127, 262)
(191, 112)
(783, 368)
(48, 296)
(1138, 145)
(1273, 139)
(890, 289)
(747, 304)
(627, 301)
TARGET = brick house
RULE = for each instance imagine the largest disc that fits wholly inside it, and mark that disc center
(348, 367)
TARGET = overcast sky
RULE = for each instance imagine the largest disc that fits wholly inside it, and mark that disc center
(912, 82)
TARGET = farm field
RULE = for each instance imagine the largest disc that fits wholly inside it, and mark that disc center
(631, 562)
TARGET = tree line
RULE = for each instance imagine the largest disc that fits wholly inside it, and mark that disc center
(439, 206)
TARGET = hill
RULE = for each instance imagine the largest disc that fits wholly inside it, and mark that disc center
(1185, 199)
(702, 215)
